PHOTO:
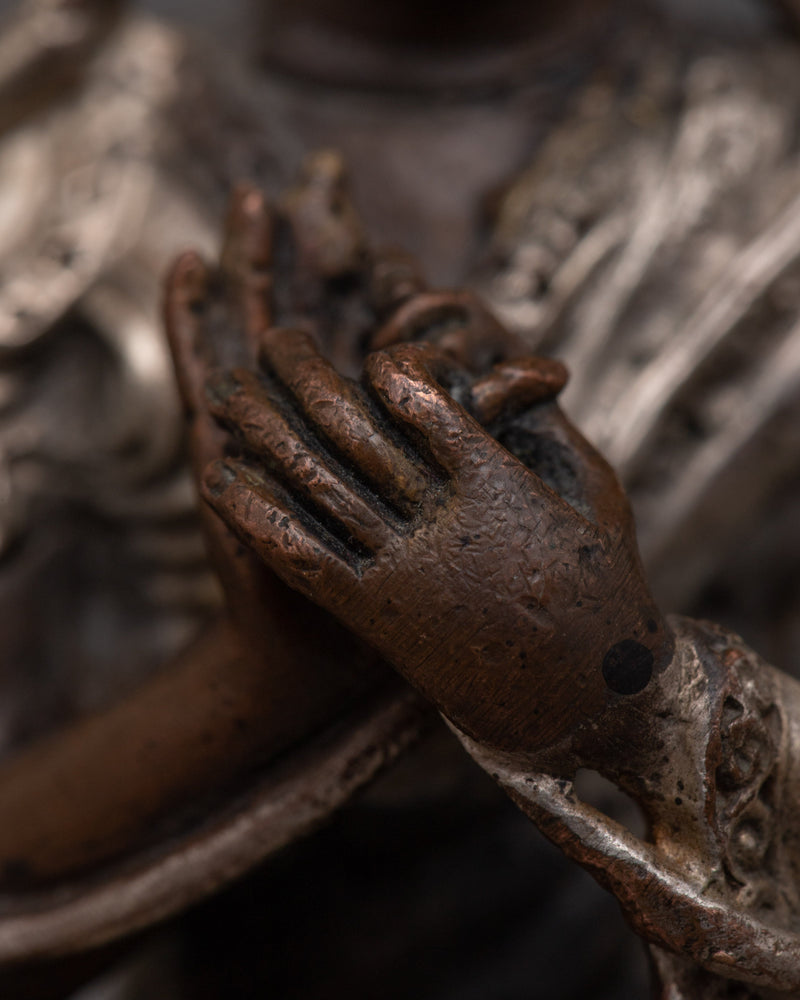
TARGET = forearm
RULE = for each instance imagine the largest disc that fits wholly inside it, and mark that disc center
(106, 786)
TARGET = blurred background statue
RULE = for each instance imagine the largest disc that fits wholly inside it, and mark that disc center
(623, 190)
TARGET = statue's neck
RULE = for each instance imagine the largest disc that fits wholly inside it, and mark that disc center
(411, 45)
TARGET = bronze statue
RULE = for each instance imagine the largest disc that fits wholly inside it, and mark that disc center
(445, 510)
(631, 245)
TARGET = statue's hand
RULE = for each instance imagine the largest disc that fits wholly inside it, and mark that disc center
(387, 503)
(215, 316)
(302, 261)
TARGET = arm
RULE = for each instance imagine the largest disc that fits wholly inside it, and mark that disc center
(134, 812)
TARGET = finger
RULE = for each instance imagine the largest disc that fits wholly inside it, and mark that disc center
(328, 237)
(457, 322)
(192, 319)
(405, 382)
(301, 552)
(186, 302)
(246, 262)
(241, 401)
(423, 317)
(394, 278)
(514, 386)
(337, 410)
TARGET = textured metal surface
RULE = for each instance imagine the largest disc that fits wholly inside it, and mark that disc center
(668, 188)
(656, 251)
(504, 585)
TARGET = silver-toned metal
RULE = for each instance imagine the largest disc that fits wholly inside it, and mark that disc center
(653, 242)
(715, 879)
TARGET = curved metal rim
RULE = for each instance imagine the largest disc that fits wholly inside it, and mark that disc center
(294, 798)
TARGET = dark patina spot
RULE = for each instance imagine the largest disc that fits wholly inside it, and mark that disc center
(628, 667)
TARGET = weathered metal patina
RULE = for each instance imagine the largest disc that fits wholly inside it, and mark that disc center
(649, 237)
